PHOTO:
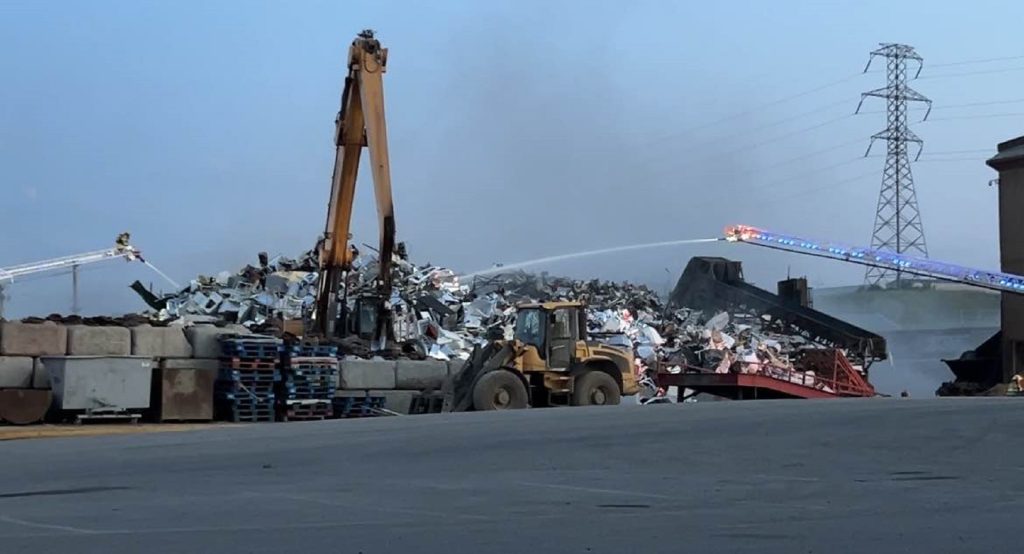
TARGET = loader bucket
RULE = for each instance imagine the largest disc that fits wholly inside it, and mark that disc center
(458, 389)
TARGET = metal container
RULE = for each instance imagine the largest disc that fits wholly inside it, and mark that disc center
(23, 406)
(95, 383)
(183, 394)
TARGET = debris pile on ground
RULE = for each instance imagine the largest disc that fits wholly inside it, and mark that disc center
(279, 287)
(438, 315)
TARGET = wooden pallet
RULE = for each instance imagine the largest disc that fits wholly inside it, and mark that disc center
(227, 362)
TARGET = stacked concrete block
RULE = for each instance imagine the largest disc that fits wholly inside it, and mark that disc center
(202, 364)
(33, 339)
(160, 342)
(399, 401)
(16, 372)
(367, 374)
(85, 340)
(41, 379)
(205, 338)
(418, 375)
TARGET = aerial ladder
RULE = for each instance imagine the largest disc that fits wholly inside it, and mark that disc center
(122, 249)
(884, 259)
(360, 123)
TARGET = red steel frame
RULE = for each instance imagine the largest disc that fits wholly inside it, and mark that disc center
(833, 377)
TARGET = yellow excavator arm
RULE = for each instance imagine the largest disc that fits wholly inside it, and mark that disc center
(360, 123)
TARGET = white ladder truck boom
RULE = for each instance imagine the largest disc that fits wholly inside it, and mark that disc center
(122, 249)
(924, 267)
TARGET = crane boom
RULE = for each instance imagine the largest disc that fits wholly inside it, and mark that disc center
(925, 267)
(360, 123)
(121, 249)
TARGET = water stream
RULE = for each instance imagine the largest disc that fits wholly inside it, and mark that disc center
(176, 286)
(561, 257)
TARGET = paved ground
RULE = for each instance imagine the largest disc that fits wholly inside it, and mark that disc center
(789, 477)
(44, 431)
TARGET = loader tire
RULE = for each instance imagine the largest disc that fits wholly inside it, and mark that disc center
(596, 388)
(500, 390)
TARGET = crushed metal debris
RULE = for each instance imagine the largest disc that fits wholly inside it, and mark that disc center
(438, 315)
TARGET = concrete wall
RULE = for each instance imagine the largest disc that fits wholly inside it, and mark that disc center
(399, 382)
(85, 340)
(367, 374)
(160, 342)
(16, 372)
(32, 339)
(420, 375)
(195, 348)
(205, 338)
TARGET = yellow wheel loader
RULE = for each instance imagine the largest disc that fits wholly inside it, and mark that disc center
(549, 362)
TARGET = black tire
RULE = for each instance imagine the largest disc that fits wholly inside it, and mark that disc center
(596, 388)
(500, 390)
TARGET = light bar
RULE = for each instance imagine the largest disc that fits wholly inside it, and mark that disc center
(994, 280)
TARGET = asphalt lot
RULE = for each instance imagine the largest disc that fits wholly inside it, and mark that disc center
(940, 475)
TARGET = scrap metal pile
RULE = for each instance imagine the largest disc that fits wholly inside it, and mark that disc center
(438, 315)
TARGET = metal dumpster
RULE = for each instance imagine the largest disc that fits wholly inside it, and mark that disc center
(101, 384)
(183, 390)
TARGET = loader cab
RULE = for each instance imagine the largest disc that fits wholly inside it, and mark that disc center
(362, 320)
(554, 329)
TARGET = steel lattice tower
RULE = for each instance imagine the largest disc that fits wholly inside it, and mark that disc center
(898, 226)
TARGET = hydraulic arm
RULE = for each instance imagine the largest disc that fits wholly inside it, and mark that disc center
(360, 123)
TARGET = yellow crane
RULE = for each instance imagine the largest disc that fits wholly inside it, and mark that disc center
(360, 124)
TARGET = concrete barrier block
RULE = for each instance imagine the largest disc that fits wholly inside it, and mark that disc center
(211, 364)
(454, 366)
(350, 393)
(40, 378)
(85, 340)
(396, 400)
(33, 339)
(420, 375)
(204, 338)
(16, 372)
(160, 342)
(367, 374)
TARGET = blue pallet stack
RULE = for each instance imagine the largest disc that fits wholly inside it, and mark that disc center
(247, 378)
(309, 380)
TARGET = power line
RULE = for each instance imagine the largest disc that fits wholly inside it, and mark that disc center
(974, 104)
(832, 185)
(800, 131)
(793, 96)
(979, 116)
(956, 106)
(944, 152)
(971, 62)
(809, 155)
(950, 160)
(768, 125)
(747, 131)
(810, 172)
(983, 72)
(754, 146)
(846, 79)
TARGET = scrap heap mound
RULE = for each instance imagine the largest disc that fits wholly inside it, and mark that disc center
(439, 315)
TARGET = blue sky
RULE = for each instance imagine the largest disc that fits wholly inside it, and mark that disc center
(518, 130)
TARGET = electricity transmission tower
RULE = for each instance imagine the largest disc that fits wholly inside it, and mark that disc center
(898, 225)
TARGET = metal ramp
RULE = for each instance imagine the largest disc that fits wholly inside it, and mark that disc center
(824, 373)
